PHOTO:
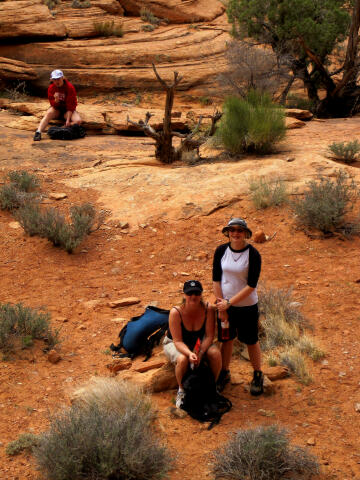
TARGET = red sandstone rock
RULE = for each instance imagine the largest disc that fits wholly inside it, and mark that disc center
(149, 366)
(53, 356)
(118, 365)
(276, 373)
(14, 69)
(124, 302)
(259, 237)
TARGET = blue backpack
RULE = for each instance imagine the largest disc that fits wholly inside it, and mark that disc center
(142, 333)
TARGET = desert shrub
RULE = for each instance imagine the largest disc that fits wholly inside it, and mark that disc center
(25, 441)
(18, 321)
(51, 4)
(20, 190)
(112, 395)
(282, 322)
(80, 4)
(253, 124)
(267, 193)
(263, 453)
(205, 101)
(17, 92)
(326, 202)
(294, 101)
(294, 360)
(307, 345)
(148, 28)
(345, 151)
(147, 16)
(109, 29)
(11, 198)
(89, 441)
(29, 217)
(51, 224)
(23, 180)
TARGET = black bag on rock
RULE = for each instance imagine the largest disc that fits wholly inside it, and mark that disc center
(202, 401)
(66, 133)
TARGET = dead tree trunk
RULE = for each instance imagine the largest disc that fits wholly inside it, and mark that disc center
(164, 149)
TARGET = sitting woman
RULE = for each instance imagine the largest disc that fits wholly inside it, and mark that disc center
(190, 324)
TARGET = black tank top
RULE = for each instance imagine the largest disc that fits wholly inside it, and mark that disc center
(190, 337)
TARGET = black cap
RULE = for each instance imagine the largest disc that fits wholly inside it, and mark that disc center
(192, 286)
(239, 222)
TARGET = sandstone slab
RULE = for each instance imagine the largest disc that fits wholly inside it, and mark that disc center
(124, 302)
(15, 69)
(28, 18)
(299, 114)
(276, 373)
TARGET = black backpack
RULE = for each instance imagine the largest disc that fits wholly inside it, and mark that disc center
(142, 333)
(202, 401)
(66, 133)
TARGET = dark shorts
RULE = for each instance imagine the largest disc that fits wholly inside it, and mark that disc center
(244, 324)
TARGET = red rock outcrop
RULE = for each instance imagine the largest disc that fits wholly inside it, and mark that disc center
(28, 18)
(14, 69)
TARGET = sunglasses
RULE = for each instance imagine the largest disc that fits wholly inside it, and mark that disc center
(233, 229)
(196, 293)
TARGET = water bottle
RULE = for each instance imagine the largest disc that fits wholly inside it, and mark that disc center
(225, 330)
(196, 350)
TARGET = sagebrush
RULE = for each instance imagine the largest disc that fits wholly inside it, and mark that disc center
(20, 191)
(266, 193)
(94, 440)
(112, 395)
(25, 441)
(146, 15)
(51, 224)
(326, 202)
(345, 151)
(27, 324)
(263, 453)
(252, 124)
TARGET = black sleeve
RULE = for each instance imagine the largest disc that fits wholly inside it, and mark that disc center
(254, 267)
(217, 270)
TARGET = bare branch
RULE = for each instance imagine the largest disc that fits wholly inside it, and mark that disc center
(143, 125)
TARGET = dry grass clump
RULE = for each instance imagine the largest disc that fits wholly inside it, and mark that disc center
(294, 360)
(113, 395)
(306, 345)
(105, 435)
(266, 193)
(282, 334)
(263, 453)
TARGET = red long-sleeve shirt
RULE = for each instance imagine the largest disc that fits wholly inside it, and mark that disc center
(67, 96)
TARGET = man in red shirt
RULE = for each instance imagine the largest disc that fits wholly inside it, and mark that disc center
(63, 101)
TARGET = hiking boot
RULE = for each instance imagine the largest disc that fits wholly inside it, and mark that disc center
(223, 380)
(37, 136)
(179, 398)
(257, 383)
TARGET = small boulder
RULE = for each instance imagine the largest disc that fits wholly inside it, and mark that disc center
(276, 373)
(53, 356)
(144, 367)
(259, 237)
(311, 442)
(57, 196)
(124, 302)
(119, 364)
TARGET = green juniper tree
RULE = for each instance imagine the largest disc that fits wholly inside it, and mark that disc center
(304, 33)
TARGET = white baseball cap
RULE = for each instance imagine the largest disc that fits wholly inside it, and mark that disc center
(55, 74)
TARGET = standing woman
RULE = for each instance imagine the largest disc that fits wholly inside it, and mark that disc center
(192, 322)
(236, 270)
